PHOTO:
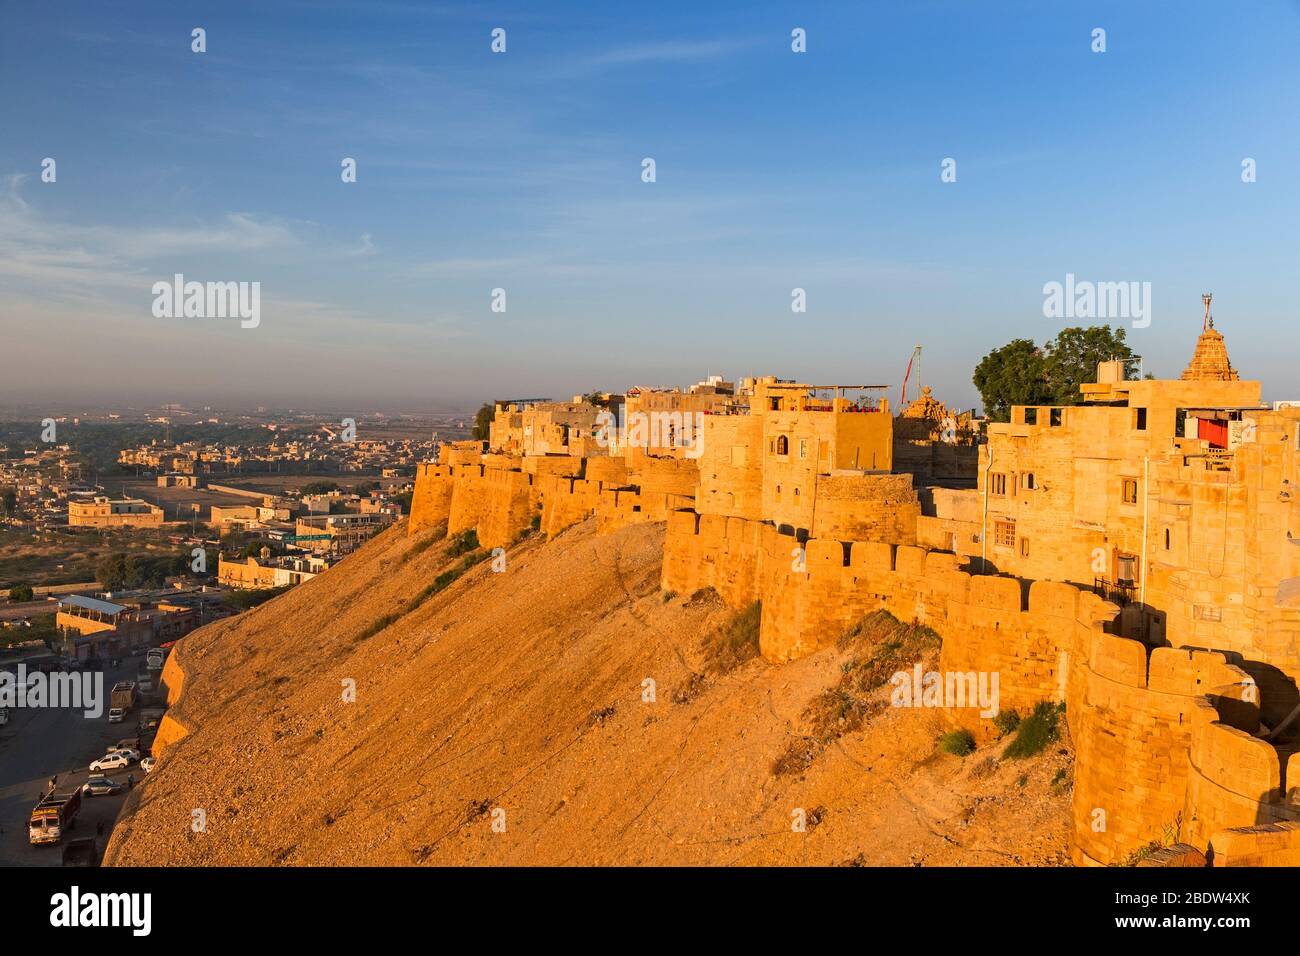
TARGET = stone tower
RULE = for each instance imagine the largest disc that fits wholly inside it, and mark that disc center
(1210, 360)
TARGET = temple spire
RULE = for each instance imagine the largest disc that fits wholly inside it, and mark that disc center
(1210, 360)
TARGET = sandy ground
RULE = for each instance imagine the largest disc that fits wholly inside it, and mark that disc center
(504, 722)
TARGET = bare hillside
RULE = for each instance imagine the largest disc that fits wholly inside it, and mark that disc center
(502, 721)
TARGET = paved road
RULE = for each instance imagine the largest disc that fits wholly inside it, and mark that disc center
(39, 743)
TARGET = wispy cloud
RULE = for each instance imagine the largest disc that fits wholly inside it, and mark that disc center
(13, 183)
(59, 254)
(671, 51)
(666, 51)
(366, 247)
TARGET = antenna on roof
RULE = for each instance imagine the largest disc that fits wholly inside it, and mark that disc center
(1207, 322)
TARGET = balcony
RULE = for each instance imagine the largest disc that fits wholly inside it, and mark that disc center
(1119, 593)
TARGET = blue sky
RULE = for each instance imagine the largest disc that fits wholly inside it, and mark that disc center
(775, 170)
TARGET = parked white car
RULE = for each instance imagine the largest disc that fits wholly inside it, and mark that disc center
(147, 764)
(113, 761)
(130, 753)
(115, 715)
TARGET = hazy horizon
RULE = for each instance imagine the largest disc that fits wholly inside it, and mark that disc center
(522, 170)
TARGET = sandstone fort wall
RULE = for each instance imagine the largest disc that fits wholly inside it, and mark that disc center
(1163, 740)
(1155, 760)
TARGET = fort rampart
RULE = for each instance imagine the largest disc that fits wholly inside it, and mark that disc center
(1162, 748)
(501, 497)
(1163, 737)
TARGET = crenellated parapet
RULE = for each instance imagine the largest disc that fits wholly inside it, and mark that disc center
(467, 489)
(502, 496)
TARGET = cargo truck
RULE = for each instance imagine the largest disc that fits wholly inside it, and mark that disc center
(53, 816)
(123, 696)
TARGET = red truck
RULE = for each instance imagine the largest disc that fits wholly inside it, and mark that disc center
(55, 814)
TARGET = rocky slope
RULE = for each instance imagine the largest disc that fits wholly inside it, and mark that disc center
(503, 721)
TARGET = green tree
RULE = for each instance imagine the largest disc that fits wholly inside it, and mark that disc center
(1022, 373)
(118, 570)
(9, 501)
(1073, 355)
(1014, 374)
(319, 487)
(111, 571)
(21, 592)
(483, 422)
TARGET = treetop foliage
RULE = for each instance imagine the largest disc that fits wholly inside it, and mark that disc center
(1022, 373)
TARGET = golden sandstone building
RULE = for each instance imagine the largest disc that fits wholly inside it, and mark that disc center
(104, 512)
(1135, 557)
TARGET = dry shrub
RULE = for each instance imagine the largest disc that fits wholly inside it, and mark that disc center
(891, 646)
(736, 642)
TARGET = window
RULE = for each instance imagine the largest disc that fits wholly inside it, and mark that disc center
(1024, 547)
(1140, 419)
(782, 445)
(1206, 612)
(803, 448)
(1004, 534)
(1055, 418)
(997, 484)
(1130, 493)
(1167, 536)
(778, 493)
(1031, 416)
(1028, 481)
(796, 496)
